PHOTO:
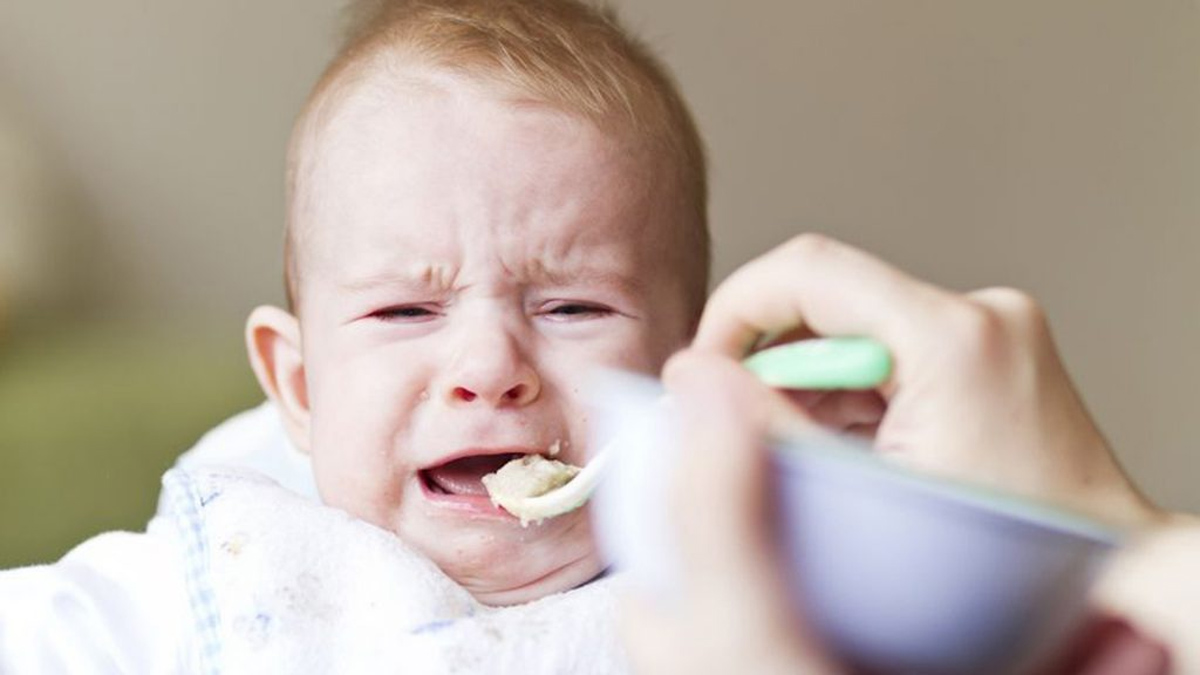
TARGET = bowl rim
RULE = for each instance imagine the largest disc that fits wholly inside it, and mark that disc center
(829, 448)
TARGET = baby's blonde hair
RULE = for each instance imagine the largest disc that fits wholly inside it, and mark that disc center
(565, 53)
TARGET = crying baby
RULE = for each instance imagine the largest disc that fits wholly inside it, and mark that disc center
(485, 200)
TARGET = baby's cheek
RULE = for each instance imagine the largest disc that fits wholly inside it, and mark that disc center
(647, 357)
(637, 351)
(356, 468)
(363, 496)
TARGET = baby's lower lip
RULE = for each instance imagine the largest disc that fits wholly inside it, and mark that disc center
(475, 505)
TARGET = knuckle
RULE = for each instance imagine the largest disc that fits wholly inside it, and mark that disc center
(747, 281)
(974, 332)
(810, 245)
(993, 328)
(1015, 307)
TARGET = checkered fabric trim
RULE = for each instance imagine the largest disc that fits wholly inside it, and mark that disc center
(186, 499)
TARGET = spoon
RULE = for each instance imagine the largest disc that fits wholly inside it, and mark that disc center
(820, 363)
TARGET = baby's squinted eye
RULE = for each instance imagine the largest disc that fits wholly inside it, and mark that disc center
(577, 310)
(406, 313)
(574, 309)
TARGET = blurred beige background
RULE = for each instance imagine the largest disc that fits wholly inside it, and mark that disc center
(1052, 145)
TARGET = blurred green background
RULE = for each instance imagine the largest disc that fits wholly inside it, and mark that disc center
(90, 418)
(1051, 145)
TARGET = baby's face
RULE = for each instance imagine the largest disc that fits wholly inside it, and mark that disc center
(468, 261)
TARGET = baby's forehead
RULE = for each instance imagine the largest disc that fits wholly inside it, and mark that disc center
(426, 113)
(560, 57)
(400, 156)
(371, 95)
(452, 276)
(413, 128)
(426, 243)
(401, 93)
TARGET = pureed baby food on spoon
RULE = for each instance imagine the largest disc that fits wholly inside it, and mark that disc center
(525, 477)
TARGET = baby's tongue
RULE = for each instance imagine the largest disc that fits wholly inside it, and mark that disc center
(464, 476)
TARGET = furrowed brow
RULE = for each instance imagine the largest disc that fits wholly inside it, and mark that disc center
(585, 276)
(427, 278)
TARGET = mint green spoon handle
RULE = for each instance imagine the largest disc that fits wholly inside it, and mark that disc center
(823, 363)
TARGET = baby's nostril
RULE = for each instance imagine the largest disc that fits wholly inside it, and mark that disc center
(464, 394)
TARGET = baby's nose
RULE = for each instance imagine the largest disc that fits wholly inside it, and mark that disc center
(495, 371)
(519, 394)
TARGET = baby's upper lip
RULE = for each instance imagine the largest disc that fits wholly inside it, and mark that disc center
(478, 451)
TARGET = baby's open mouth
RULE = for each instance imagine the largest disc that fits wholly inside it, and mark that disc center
(464, 476)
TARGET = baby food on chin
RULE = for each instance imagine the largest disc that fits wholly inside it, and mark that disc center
(525, 477)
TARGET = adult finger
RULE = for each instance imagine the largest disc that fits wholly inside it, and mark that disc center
(734, 588)
(832, 288)
(846, 410)
(1111, 646)
(720, 495)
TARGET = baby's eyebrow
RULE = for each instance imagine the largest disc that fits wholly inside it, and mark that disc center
(585, 276)
(431, 277)
(440, 279)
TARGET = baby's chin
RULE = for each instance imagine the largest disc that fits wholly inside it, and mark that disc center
(500, 593)
(489, 553)
(505, 571)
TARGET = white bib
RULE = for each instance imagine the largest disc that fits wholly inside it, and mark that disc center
(282, 584)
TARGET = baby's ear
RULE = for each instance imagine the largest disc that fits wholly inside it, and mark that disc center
(273, 341)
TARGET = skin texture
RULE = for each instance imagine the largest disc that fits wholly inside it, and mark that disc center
(978, 393)
(467, 257)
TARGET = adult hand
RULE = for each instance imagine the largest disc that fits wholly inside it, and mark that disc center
(978, 391)
(1152, 583)
(734, 612)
